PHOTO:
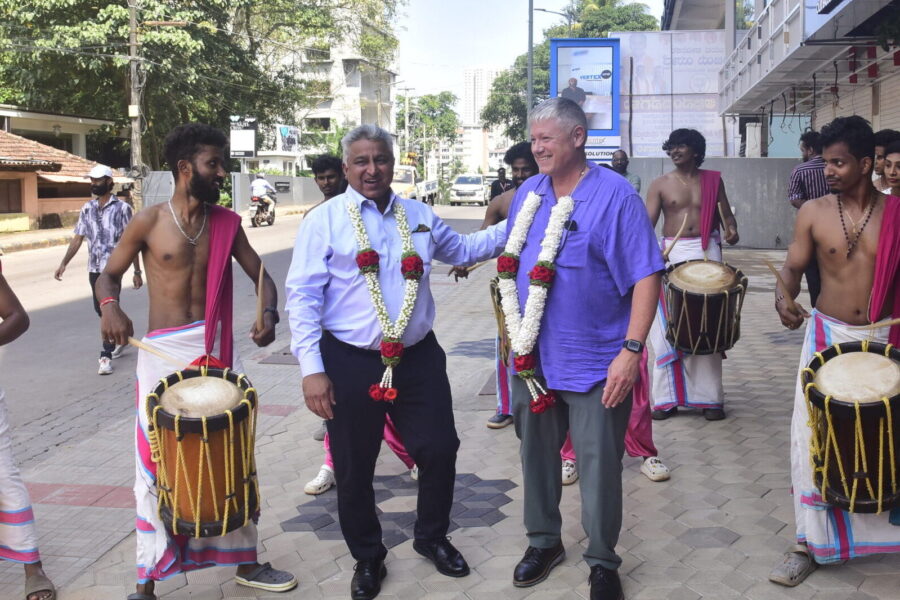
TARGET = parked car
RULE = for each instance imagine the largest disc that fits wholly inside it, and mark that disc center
(468, 189)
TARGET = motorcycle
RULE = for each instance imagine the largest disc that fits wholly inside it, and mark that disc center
(260, 211)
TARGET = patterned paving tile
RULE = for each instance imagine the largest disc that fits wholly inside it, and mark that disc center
(477, 503)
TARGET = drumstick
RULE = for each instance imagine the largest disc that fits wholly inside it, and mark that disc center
(890, 323)
(259, 298)
(791, 304)
(721, 215)
(675, 239)
(154, 350)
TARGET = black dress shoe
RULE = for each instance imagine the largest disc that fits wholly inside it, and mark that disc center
(605, 584)
(366, 582)
(662, 415)
(713, 414)
(445, 557)
(536, 565)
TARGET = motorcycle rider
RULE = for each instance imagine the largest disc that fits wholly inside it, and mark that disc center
(260, 188)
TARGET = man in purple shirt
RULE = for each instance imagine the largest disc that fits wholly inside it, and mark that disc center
(592, 334)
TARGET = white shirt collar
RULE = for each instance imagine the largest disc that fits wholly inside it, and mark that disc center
(359, 199)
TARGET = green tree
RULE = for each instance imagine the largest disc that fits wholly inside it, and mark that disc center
(505, 106)
(234, 57)
(432, 120)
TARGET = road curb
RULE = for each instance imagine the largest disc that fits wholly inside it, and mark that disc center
(63, 240)
(10, 247)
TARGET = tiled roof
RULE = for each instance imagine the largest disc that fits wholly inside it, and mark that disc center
(17, 148)
(18, 164)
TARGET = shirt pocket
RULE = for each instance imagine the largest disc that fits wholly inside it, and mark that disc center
(423, 242)
(574, 249)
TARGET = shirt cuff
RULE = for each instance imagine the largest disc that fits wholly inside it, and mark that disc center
(311, 364)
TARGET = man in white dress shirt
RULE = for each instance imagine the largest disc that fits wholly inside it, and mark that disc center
(336, 337)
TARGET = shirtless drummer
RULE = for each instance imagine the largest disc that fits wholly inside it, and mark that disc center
(854, 233)
(690, 381)
(187, 246)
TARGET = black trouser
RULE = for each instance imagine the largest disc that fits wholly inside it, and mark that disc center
(108, 347)
(813, 281)
(423, 415)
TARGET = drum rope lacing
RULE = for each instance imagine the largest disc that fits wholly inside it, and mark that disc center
(821, 451)
(684, 317)
(169, 490)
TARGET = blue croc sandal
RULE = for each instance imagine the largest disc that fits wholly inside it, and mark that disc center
(264, 577)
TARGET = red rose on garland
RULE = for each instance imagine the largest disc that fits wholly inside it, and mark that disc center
(507, 265)
(525, 362)
(412, 267)
(390, 394)
(376, 392)
(367, 261)
(391, 349)
(542, 275)
(543, 403)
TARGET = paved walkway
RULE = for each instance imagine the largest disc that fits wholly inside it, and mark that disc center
(713, 531)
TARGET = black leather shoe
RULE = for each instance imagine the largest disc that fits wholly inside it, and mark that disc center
(444, 555)
(662, 415)
(605, 584)
(713, 414)
(366, 582)
(536, 565)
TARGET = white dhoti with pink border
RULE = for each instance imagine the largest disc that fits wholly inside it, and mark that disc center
(832, 534)
(18, 537)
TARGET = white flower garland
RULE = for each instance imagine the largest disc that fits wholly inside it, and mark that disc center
(388, 329)
(523, 330)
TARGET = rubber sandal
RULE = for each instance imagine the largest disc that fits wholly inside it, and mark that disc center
(795, 566)
(264, 577)
(35, 584)
(141, 597)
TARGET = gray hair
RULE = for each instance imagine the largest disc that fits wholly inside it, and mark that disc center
(367, 132)
(562, 109)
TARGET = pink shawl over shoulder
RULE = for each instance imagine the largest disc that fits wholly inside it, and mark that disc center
(709, 195)
(887, 267)
(223, 226)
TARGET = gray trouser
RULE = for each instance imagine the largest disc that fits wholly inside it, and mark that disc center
(598, 435)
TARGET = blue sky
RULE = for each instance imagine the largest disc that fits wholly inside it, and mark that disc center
(439, 38)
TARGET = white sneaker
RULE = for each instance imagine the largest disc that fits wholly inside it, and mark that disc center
(569, 472)
(323, 482)
(105, 366)
(654, 469)
(414, 473)
(120, 349)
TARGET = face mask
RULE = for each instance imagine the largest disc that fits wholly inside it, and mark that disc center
(100, 189)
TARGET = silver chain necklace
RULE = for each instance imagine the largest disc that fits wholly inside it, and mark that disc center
(191, 240)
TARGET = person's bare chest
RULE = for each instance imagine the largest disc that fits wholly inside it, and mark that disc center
(679, 197)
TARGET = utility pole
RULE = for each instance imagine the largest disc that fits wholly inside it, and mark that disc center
(406, 91)
(134, 106)
(529, 94)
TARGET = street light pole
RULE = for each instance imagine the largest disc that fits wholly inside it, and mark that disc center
(529, 93)
(134, 107)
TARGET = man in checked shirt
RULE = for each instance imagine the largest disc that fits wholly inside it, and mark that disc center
(102, 221)
(808, 183)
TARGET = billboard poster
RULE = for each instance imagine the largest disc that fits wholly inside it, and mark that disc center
(670, 80)
(243, 136)
(587, 72)
(287, 138)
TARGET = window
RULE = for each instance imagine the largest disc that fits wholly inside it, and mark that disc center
(317, 54)
(317, 124)
(10, 196)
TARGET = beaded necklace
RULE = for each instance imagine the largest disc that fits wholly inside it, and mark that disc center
(852, 244)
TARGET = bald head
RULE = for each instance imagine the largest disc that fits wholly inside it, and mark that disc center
(620, 161)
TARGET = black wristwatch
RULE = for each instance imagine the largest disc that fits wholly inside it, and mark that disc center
(633, 346)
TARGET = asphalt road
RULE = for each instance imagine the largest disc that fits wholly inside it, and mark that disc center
(53, 391)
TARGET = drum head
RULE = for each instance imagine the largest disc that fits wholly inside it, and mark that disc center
(200, 397)
(863, 377)
(703, 277)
